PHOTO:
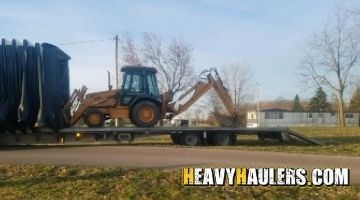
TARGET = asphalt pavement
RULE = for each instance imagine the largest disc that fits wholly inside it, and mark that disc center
(174, 157)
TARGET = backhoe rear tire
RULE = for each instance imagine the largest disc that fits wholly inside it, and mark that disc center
(145, 114)
(94, 118)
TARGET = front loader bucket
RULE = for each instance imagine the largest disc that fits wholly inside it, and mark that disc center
(70, 111)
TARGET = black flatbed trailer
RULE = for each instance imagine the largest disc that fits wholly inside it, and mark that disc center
(189, 136)
(164, 130)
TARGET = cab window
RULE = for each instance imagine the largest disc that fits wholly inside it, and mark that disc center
(135, 84)
(152, 86)
(132, 83)
(127, 82)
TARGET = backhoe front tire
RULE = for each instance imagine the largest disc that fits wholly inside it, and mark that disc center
(94, 118)
(145, 114)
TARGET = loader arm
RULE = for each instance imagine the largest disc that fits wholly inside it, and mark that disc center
(211, 80)
(78, 103)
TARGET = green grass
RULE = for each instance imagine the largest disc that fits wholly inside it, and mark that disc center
(71, 182)
(338, 141)
(66, 182)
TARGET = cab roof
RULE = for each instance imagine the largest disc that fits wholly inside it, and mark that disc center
(138, 68)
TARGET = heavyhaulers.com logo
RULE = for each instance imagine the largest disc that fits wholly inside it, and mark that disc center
(265, 177)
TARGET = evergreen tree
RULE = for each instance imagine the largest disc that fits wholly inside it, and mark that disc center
(319, 103)
(297, 107)
(355, 101)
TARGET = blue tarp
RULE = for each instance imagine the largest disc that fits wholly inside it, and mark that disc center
(34, 86)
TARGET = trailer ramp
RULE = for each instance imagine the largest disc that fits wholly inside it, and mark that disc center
(302, 137)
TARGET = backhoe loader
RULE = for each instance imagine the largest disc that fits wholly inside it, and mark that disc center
(139, 100)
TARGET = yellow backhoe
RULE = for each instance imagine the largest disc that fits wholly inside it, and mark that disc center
(139, 99)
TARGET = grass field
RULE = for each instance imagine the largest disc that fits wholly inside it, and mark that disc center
(65, 182)
(338, 141)
(71, 182)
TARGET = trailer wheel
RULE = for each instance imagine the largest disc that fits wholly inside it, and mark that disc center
(94, 118)
(223, 139)
(175, 138)
(190, 139)
(261, 137)
(145, 114)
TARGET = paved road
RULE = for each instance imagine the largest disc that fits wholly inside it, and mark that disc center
(170, 157)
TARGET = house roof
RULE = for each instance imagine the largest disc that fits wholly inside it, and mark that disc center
(275, 110)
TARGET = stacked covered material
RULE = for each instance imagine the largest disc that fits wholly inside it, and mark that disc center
(34, 86)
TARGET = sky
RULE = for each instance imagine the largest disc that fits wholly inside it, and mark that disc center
(263, 35)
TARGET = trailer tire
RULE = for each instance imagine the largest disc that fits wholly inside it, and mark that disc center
(175, 138)
(190, 139)
(145, 114)
(261, 137)
(94, 118)
(223, 139)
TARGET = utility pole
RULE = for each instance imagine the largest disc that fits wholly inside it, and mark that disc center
(117, 70)
(257, 104)
(117, 61)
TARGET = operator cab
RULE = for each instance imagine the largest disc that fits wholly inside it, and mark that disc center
(138, 82)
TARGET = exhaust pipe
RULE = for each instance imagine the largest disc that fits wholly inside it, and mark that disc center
(109, 81)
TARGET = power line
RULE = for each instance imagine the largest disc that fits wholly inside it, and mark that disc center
(273, 90)
(85, 42)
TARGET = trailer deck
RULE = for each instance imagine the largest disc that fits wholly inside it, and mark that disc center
(118, 134)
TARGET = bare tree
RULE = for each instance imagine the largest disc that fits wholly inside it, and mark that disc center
(331, 56)
(130, 53)
(173, 62)
(237, 79)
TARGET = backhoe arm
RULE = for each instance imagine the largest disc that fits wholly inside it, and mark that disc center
(200, 88)
(224, 95)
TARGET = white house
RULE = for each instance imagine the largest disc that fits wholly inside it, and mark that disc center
(285, 118)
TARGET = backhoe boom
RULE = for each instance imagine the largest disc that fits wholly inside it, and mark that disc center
(200, 88)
